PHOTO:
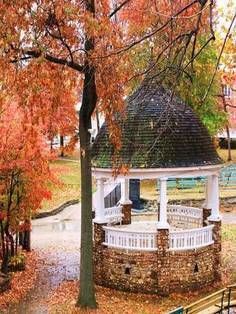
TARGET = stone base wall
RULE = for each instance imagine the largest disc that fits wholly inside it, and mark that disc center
(129, 271)
(191, 269)
(162, 271)
(144, 272)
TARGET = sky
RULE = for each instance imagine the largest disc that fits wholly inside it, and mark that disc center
(226, 10)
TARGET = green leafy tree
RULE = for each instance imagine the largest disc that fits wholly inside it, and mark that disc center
(193, 88)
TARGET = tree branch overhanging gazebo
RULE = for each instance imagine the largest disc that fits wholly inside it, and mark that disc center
(161, 139)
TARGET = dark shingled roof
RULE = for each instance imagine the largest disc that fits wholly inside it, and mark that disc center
(157, 133)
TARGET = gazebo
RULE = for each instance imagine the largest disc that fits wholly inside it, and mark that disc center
(162, 138)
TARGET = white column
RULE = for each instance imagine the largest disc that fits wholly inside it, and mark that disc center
(163, 224)
(125, 192)
(100, 207)
(215, 199)
(208, 200)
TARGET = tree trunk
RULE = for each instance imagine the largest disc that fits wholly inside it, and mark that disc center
(16, 243)
(26, 245)
(10, 238)
(21, 238)
(61, 146)
(5, 260)
(227, 126)
(87, 293)
(86, 297)
(228, 144)
(4, 265)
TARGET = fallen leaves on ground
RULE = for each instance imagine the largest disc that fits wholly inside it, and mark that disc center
(22, 282)
(63, 300)
(229, 252)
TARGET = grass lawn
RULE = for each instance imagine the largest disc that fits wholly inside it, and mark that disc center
(148, 187)
(117, 302)
(148, 191)
(68, 173)
(223, 153)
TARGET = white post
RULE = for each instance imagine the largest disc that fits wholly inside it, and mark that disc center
(208, 201)
(125, 192)
(215, 202)
(163, 224)
(99, 212)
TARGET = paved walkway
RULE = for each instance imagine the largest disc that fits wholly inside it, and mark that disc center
(57, 240)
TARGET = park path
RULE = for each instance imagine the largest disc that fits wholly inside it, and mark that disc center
(57, 241)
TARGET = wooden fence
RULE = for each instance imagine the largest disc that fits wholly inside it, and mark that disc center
(222, 301)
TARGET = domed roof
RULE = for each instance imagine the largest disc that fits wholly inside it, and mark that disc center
(159, 131)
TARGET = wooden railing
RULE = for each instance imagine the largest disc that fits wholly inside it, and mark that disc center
(191, 239)
(132, 240)
(219, 302)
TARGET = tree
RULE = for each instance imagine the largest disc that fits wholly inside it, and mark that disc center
(24, 178)
(228, 79)
(50, 95)
(193, 90)
(96, 45)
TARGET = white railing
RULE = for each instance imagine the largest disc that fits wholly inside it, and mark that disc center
(131, 240)
(184, 210)
(113, 214)
(191, 239)
(184, 217)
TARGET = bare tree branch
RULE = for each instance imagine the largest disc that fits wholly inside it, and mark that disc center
(150, 34)
(118, 8)
(37, 54)
(54, 21)
(219, 57)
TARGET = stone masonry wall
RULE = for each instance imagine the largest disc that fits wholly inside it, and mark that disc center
(140, 272)
(160, 271)
(191, 269)
(126, 211)
(130, 271)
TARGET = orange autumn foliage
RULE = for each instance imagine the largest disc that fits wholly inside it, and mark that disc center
(24, 164)
(58, 29)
